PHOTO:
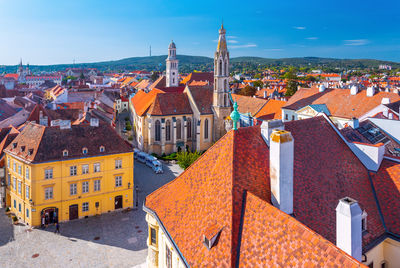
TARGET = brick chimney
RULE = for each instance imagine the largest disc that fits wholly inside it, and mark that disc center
(348, 227)
(281, 155)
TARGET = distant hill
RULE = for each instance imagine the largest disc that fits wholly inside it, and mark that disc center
(190, 63)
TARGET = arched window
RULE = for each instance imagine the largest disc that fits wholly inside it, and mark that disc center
(225, 100)
(206, 129)
(226, 85)
(168, 130)
(226, 69)
(189, 128)
(158, 130)
(178, 129)
(220, 67)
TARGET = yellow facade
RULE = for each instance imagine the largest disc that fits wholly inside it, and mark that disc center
(29, 201)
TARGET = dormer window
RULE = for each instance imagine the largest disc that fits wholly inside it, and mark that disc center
(210, 236)
(364, 221)
(30, 151)
(84, 150)
(65, 153)
(15, 145)
(102, 149)
(22, 148)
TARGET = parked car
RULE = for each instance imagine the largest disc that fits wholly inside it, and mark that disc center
(149, 160)
(142, 157)
(157, 167)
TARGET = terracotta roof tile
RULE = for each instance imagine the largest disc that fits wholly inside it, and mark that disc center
(203, 97)
(248, 104)
(271, 110)
(170, 104)
(142, 100)
(199, 76)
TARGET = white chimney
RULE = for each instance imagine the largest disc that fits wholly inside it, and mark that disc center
(370, 91)
(354, 123)
(353, 90)
(281, 154)
(385, 101)
(322, 88)
(348, 227)
(268, 126)
(265, 94)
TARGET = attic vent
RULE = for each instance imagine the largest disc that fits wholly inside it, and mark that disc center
(211, 235)
(30, 151)
(15, 145)
(22, 148)
(102, 149)
(84, 150)
(65, 153)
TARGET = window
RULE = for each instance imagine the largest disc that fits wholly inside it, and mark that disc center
(220, 67)
(73, 189)
(85, 187)
(48, 173)
(85, 169)
(85, 150)
(118, 164)
(225, 101)
(102, 149)
(96, 186)
(96, 167)
(168, 256)
(292, 117)
(8, 162)
(15, 203)
(158, 130)
(14, 183)
(226, 68)
(153, 237)
(65, 153)
(178, 129)
(19, 187)
(27, 191)
(226, 85)
(206, 129)
(27, 173)
(286, 117)
(72, 171)
(364, 221)
(27, 212)
(19, 207)
(8, 179)
(85, 206)
(14, 167)
(19, 170)
(48, 193)
(371, 265)
(168, 130)
(189, 128)
(118, 181)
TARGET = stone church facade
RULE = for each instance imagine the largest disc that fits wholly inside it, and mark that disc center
(172, 116)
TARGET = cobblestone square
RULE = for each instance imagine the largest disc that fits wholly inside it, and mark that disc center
(115, 239)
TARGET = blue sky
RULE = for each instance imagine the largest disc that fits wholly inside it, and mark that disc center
(50, 32)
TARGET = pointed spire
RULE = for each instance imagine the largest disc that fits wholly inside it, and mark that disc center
(221, 39)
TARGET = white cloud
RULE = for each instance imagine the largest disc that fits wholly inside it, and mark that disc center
(273, 49)
(244, 46)
(356, 42)
(312, 38)
(231, 36)
(232, 41)
(299, 27)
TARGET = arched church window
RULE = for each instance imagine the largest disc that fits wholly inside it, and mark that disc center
(220, 67)
(178, 129)
(226, 69)
(226, 85)
(189, 128)
(168, 130)
(158, 130)
(225, 100)
(206, 129)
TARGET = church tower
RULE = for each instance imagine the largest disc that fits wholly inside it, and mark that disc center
(172, 67)
(221, 103)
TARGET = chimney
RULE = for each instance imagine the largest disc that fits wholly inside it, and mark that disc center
(268, 126)
(265, 94)
(354, 123)
(385, 101)
(348, 227)
(281, 154)
(353, 90)
(322, 88)
(370, 91)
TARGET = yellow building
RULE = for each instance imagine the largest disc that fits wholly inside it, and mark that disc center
(68, 172)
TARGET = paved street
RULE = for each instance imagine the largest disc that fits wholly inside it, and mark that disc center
(116, 239)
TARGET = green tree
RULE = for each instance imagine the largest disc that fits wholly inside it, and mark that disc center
(291, 88)
(154, 76)
(258, 83)
(248, 91)
(185, 159)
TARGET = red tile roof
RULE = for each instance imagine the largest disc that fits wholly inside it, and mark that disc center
(339, 101)
(271, 110)
(248, 104)
(170, 104)
(199, 76)
(272, 238)
(142, 100)
(15, 76)
(203, 98)
(211, 192)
